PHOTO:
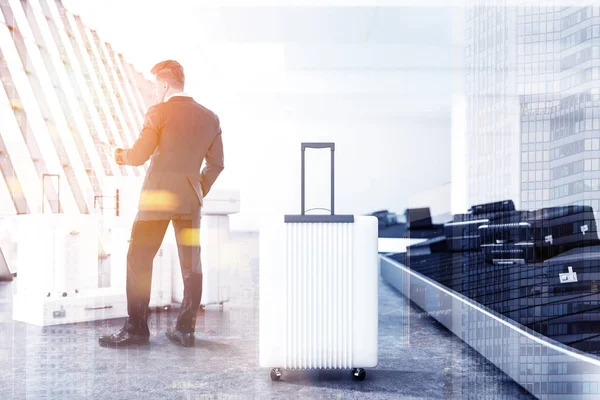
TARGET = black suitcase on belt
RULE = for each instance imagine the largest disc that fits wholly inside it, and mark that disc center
(508, 239)
(574, 271)
(498, 206)
(558, 229)
(462, 234)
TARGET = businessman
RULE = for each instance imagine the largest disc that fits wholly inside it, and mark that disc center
(178, 134)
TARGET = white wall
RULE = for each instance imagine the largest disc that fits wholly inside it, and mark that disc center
(377, 81)
(437, 198)
(379, 164)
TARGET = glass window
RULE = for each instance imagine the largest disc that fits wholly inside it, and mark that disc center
(8, 49)
(8, 126)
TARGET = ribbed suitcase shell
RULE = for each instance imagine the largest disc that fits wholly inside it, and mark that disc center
(318, 295)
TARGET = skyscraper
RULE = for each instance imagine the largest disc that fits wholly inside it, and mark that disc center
(63, 92)
(491, 102)
(532, 93)
(575, 114)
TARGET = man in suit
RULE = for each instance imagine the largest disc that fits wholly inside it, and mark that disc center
(178, 134)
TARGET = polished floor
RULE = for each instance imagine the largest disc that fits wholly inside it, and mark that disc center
(419, 359)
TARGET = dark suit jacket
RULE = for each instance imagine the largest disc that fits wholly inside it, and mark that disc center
(177, 135)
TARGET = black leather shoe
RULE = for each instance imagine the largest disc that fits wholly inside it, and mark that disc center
(122, 338)
(186, 339)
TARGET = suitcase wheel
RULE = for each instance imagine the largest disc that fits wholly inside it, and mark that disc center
(359, 374)
(275, 374)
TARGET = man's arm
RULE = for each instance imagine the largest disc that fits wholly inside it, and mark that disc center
(214, 162)
(145, 145)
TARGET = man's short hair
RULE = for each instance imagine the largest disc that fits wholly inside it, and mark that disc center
(171, 72)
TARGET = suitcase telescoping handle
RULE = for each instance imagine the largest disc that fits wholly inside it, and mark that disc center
(323, 218)
(330, 146)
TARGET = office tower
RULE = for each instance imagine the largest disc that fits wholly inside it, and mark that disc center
(575, 120)
(491, 102)
(532, 85)
(64, 91)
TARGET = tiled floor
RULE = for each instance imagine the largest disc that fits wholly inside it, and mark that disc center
(418, 359)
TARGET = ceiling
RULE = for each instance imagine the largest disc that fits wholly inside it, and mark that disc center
(347, 55)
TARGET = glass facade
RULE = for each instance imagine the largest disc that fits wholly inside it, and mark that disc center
(492, 103)
(532, 84)
(63, 92)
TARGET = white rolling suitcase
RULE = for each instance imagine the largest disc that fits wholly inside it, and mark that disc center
(318, 290)
(57, 254)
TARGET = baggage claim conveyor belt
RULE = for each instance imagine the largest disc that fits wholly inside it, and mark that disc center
(544, 367)
(531, 306)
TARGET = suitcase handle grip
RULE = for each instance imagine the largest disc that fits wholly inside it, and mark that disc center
(307, 145)
(315, 145)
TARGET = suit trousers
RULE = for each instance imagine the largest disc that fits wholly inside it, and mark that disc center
(146, 238)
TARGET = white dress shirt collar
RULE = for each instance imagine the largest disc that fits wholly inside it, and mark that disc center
(184, 94)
